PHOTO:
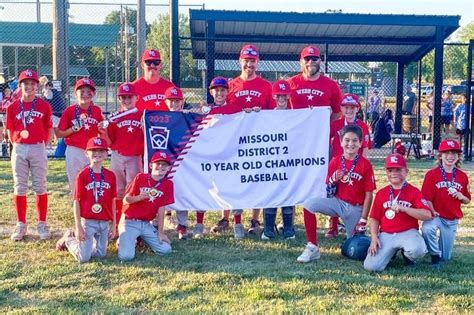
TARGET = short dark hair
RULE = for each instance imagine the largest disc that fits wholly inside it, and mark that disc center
(50, 84)
(351, 128)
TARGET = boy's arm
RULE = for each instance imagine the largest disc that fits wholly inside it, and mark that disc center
(419, 214)
(77, 219)
(161, 219)
(113, 228)
(374, 233)
(361, 227)
(129, 199)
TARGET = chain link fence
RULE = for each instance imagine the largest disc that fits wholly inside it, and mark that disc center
(113, 63)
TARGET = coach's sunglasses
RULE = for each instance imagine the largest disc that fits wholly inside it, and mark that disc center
(153, 62)
(312, 58)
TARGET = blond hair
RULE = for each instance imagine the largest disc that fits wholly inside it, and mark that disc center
(439, 161)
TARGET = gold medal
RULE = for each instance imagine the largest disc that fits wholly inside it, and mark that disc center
(205, 109)
(153, 193)
(390, 214)
(24, 134)
(345, 179)
(452, 191)
(96, 208)
(83, 116)
(104, 124)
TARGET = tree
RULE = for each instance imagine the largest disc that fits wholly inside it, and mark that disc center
(159, 38)
(466, 33)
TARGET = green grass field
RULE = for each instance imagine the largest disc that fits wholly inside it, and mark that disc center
(219, 274)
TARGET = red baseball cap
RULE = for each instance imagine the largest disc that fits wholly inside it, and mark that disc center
(28, 74)
(126, 89)
(160, 156)
(449, 145)
(84, 82)
(97, 143)
(310, 51)
(395, 160)
(151, 54)
(281, 87)
(249, 52)
(350, 100)
(173, 93)
(219, 81)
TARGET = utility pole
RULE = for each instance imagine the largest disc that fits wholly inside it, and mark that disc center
(60, 45)
(127, 53)
(174, 42)
(141, 35)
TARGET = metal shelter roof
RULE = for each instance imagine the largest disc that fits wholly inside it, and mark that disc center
(286, 66)
(31, 34)
(339, 36)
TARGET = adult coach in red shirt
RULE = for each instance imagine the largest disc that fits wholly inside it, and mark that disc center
(250, 92)
(151, 87)
(311, 88)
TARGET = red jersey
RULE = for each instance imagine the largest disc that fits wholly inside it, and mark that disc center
(38, 122)
(335, 129)
(361, 180)
(85, 194)
(126, 134)
(321, 92)
(410, 197)
(151, 96)
(435, 189)
(250, 93)
(146, 210)
(89, 130)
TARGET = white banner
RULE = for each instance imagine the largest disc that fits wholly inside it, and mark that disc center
(254, 160)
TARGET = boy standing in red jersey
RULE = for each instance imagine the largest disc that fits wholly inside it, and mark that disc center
(30, 128)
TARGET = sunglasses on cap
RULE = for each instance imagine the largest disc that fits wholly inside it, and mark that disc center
(249, 52)
(153, 62)
(312, 58)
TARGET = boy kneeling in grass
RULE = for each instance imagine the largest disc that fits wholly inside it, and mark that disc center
(94, 207)
(144, 200)
(394, 218)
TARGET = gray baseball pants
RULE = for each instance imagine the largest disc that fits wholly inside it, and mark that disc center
(26, 158)
(95, 244)
(442, 245)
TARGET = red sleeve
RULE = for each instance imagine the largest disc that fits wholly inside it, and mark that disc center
(369, 178)
(332, 130)
(65, 120)
(365, 136)
(49, 117)
(169, 195)
(271, 104)
(133, 188)
(331, 168)
(467, 188)
(428, 188)
(79, 186)
(112, 131)
(9, 124)
(113, 184)
(336, 99)
(377, 207)
(419, 200)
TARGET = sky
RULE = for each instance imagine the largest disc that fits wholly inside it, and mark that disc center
(85, 12)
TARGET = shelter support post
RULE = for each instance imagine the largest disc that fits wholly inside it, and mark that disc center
(399, 100)
(438, 85)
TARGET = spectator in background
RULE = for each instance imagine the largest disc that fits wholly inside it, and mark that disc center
(460, 118)
(430, 104)
(409, 102)
(446, 112)
(373, 106)
(53, 97)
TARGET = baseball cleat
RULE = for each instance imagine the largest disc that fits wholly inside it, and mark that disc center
(310, 253)
(43, 230)
(182, 232)
(20, 232)
(254, 227)
(220, 226)
(61, 243)
(198, 231)
(239, 231)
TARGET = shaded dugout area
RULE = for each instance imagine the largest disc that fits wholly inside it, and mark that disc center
(218, 35)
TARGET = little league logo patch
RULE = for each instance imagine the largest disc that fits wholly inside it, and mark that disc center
(159, 137)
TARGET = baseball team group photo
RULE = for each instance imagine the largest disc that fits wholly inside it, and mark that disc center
(250, 172)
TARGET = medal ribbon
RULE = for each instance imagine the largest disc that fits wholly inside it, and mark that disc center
(445, 176)
(353, 165)
(25, 120)
(392, 190)
(97, 191)
(77, 113)
(157, 184)
(352, 123)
